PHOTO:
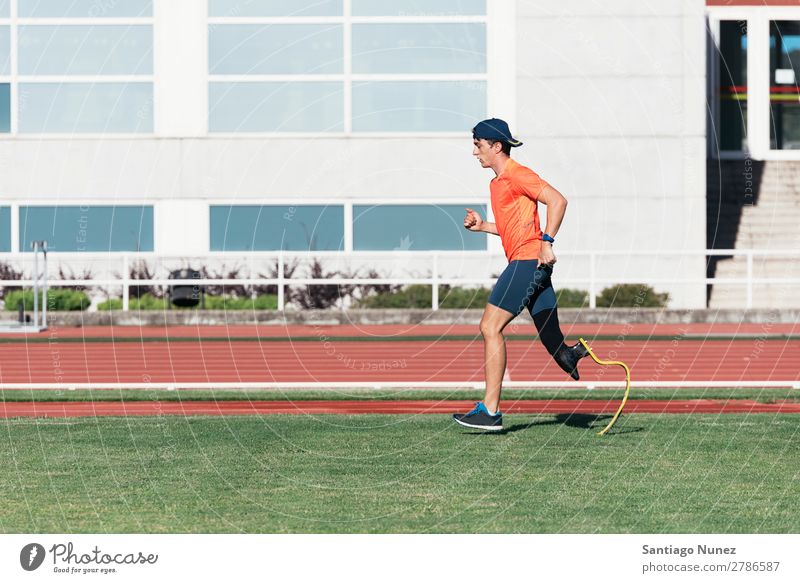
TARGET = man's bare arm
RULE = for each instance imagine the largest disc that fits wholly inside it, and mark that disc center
(489, 228)
(474, 222)
(556, 207)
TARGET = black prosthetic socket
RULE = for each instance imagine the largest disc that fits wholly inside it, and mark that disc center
(549, 330)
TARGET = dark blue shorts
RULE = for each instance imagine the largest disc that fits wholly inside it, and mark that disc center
(523, 286)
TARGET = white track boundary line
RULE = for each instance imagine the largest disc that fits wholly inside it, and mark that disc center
(589, 385)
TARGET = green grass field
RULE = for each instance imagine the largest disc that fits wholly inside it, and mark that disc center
(756, 394)
(374, 473)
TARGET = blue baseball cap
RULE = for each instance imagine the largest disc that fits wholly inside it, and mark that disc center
(494, 129)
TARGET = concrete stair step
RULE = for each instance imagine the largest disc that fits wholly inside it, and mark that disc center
(764, 296)
(739, 269)
(766, 238)
(763, 209)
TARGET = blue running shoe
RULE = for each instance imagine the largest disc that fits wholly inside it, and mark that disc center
(479, 418)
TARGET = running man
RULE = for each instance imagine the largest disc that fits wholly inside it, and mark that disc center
(525, 283)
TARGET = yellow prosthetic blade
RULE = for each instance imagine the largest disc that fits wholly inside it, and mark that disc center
(627, 382)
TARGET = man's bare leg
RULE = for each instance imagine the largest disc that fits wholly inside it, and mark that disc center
(493, 322)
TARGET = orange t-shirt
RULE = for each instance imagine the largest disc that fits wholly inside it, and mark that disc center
(514, 195)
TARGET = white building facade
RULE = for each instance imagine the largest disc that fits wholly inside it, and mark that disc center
(185, 127)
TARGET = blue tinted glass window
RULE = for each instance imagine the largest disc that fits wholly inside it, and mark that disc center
(86, 50)
(273, 228)
(85, 8)
(419, 48)
(5, 50)
(418, 7)
(5, 229)
(86, 107)
(5, 10)
(276, 107)
(232, 8)
(414, 228)
(87, 228)
(423, 106)
(256, 49)
(5, 108)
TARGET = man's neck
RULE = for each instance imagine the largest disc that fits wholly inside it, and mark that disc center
(500, 164)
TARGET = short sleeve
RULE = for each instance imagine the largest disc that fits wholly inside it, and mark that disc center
(529, 183)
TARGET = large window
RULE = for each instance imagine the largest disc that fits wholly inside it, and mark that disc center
(388, 227)
(5, 229)
(85, 50)
(402, 66)
(75, 69)
(277, 228)
(87, 228)
(5, 50)
(732, 124)
(86, 107)
(784, 95)
(5, 108)
(5, 72)
(84, 8)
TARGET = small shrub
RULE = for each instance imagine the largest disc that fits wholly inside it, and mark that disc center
(110, 304)
(419, 296)
(321, 296)
(7, 272)
(58, 300)
(411, 296)
(148, 302)
(463, 298)
(271, 289)
(262, 302)
(145, 302)
(141, 270)
(631, 295)
(85, 274)
(221, 290)
(572, 298)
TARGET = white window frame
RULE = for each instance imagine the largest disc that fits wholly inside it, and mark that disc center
(16, 204)
(181, 76)
(758, 81)
(500, 75)
(348, 205)
(15, 78)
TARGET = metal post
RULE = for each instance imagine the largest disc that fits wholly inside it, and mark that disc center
(35, 245)
(592, 284)
(126, 290)
(44, 285)
(749, 304)
(281, 293)
(435, 286)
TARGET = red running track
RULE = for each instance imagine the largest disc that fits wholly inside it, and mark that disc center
(393, 361)
(520, 326)
(155, 408)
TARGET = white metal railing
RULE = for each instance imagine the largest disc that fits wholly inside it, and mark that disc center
(434, 280)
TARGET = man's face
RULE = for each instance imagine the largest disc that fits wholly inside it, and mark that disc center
(484, 152)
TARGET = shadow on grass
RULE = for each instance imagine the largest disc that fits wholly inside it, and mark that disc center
(575, 420)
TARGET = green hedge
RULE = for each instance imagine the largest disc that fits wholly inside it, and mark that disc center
(148, 302)
(262, 302)
(631, 295)
(65, 300)
(419, 296)
(111, 304)
(572, 298)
